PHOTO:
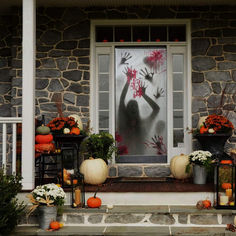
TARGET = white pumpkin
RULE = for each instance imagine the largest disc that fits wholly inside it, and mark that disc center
(66, 131)
(200, 122)
(178, 165)
(78, 121)
(95, 171)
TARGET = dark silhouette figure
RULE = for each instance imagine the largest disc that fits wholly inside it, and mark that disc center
(131, 127)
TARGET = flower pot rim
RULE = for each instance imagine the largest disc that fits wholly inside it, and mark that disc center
(214, 135)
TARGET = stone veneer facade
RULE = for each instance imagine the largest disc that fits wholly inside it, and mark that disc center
(63, 57)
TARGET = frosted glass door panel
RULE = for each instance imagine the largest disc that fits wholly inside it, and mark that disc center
(141, 101)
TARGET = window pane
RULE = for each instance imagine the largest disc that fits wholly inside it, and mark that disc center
(178, 119)
(177, 33)
(177, 82)
(104, 34)
(103, 61)
(140, 33)
(103, 82)
(177, 100)
(103, 101)
(104, 119)
(123, 33)
(158, 33)
(178, 138)
(178, 63)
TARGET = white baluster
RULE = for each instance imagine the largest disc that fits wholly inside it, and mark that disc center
(4, 147)
(14, 148)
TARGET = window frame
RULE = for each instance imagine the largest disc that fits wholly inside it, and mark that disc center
(172, 47)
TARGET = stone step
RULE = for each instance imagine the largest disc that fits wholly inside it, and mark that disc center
(179, 216)
(125, 230)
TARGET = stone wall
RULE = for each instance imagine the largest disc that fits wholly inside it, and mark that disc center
(5, 65)
(63, 57)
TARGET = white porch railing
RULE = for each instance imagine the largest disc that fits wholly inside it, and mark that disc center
(6, 122)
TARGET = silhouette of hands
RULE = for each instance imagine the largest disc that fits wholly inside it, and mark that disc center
(159, 93)
(147, 75)
(143, 88)
(124, 58)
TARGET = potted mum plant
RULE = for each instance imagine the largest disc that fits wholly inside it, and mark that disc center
(212, 134)
(46, 198)
(201, 162)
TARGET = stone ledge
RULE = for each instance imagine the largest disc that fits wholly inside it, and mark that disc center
(125, 230)
(147, 215)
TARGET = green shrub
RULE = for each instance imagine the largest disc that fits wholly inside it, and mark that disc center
(10, 209)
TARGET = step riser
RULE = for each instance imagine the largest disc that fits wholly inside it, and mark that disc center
(139, 198)
(153, 219)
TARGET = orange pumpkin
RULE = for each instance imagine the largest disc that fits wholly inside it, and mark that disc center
(94, 202)
(206, 203)
(226, 162)
(226, 185)
(55, 225)
(203, 130)
(48, 138)
(44, 147)
(75, 130)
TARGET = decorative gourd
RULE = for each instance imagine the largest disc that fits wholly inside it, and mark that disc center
(48, 138)
(95, 171)
(43, 130)
(75, 130)
(78, 121)
(94, 202)
(45, 147)
(178, 166)
(201, 121)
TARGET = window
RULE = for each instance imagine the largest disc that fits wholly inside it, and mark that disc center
(141, 93)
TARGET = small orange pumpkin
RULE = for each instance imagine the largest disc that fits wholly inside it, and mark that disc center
(226, 185)
(75, 130)
(48, 138)
(226, 162)
(206, 203)
(54, 225)
(203, 130)
(94, 202)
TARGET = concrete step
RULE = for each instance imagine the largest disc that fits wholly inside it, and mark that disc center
(146, 216)
(125, 230)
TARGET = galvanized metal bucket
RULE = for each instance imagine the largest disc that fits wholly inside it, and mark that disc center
(199, 174)
(46, 215)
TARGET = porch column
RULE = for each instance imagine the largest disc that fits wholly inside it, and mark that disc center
(28, 92)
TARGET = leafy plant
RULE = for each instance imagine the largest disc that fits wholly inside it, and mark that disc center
(10, 209)
(202, 158)
(100, 145)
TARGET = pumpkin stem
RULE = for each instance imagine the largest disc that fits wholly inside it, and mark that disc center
(91, 158)
(95, 193)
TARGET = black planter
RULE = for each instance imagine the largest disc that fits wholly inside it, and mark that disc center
(214, 143)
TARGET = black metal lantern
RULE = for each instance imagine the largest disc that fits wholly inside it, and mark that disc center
(225, 176)
(68, 148)
(77, 190)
